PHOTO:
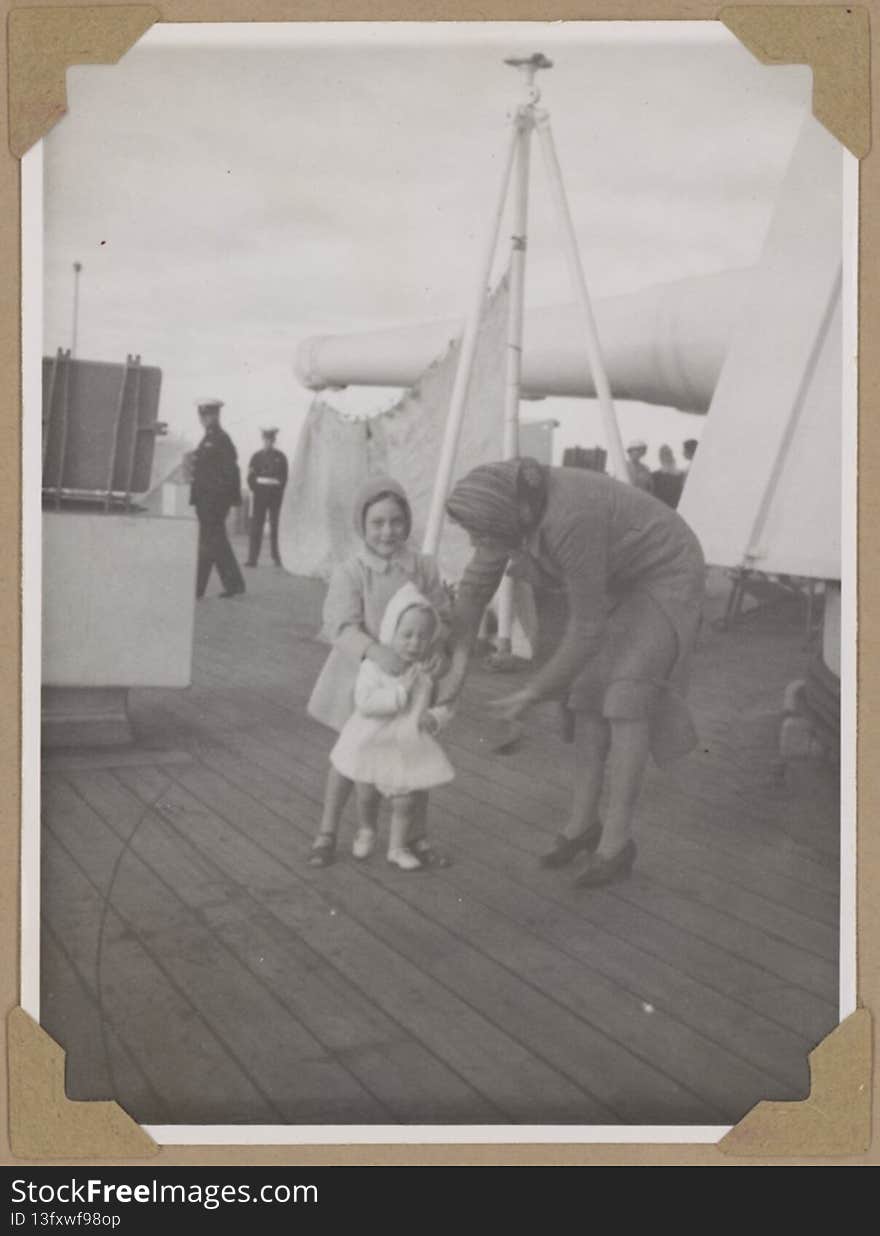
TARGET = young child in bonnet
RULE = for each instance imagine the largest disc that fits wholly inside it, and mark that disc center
(387, 747)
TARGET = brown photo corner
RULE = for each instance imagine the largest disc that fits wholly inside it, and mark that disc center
(834, 1121)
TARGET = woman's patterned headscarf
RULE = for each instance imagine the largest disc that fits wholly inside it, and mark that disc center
(503, 501)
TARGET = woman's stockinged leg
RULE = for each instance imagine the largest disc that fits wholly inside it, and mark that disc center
(592, 737)
(625, 769)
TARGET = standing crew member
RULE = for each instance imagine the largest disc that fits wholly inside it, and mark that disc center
(668, 478)
(639, 474)
(267, 477)
(216, 486)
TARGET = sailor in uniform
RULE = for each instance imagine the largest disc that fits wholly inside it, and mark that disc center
(267, 477)
(215, 487)
(639, 473)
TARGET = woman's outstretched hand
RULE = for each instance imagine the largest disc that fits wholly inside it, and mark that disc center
(437, 665)
(511, 707)
(386, 658)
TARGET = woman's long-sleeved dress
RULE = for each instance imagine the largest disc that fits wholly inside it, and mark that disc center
(627, 575)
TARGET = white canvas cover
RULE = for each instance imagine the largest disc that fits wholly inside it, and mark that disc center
(334, 454)
(331, 458)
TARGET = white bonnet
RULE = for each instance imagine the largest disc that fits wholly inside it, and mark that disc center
(406, 597)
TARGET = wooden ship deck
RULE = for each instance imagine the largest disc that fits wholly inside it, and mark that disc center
(198, 971)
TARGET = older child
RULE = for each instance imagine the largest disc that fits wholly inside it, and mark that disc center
(359, 591)
(387, 746)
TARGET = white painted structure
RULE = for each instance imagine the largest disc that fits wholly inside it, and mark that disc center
(119, 612)
(764, 490)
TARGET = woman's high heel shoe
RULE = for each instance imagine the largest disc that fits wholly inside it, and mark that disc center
(567, 848)
(601, 870)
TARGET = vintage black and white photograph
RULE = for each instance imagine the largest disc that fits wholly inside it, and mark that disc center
(441, 597)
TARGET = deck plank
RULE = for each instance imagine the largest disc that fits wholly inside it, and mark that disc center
(400, 912)
(287, 1063)
(401, 1073)
(187, 1065)
(608, 1004)
(492, 1061)
(491, 992)
(539, 768)
(791, 873)
(525, 901)
(655, 1034)
(757, 974)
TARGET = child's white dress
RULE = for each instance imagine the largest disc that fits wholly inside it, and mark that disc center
(382, 744)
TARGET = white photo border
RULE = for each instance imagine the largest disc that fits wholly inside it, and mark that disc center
(237, 34)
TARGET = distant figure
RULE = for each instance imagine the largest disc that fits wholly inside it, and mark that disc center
(216, 486)
(267, 477)
(668, 479)
(639, 474)
(689, 449)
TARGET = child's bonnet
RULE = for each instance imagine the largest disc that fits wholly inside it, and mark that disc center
(406, 597)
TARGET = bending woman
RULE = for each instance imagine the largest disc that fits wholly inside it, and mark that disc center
(629, 574)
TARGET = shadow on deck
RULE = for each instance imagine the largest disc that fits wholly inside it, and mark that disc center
(198, 971)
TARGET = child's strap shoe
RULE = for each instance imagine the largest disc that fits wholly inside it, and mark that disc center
(323, 851)
(364, 843)
(427, 855)
(404, 859)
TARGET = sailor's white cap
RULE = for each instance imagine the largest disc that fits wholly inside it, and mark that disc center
(209, 403)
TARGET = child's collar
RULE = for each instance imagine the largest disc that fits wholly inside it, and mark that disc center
(403, 558)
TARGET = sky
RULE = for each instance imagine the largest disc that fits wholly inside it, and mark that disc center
(228, 202)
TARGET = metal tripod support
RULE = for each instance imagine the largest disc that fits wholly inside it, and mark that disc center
(527, 120)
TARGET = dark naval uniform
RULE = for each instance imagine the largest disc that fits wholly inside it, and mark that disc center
(216, 486)
(668, 486)
(267, 477)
